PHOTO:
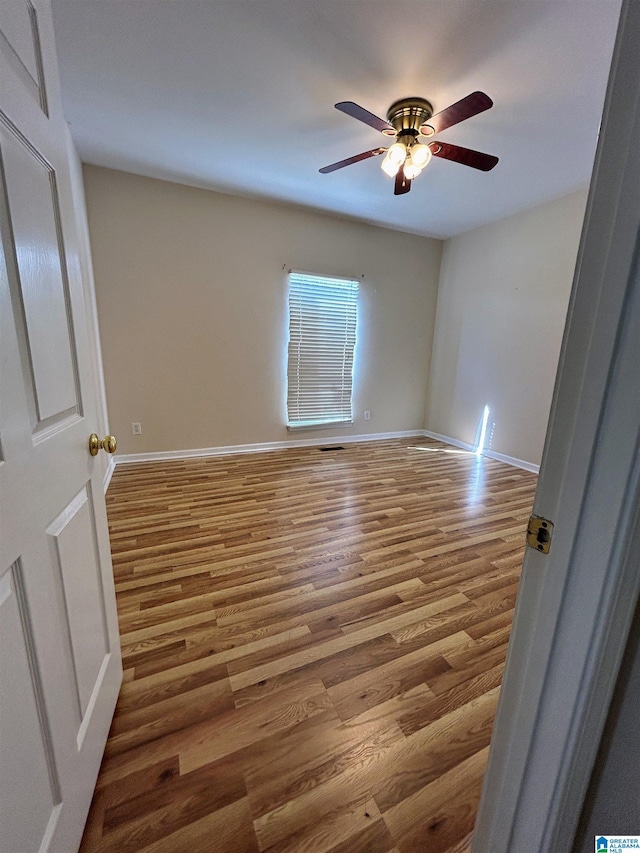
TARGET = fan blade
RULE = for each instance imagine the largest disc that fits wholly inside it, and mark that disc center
(356, 111)
(466, 156)
(476, 102)
(356, 159)
(403, 184)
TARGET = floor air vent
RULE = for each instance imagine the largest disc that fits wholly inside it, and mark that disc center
(337, 447)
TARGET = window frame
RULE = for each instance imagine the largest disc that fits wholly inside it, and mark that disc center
(334, 314)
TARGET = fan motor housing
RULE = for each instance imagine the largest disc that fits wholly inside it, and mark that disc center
(408, 114)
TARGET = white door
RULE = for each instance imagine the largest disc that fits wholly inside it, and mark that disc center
(60, 666)
(576, 604)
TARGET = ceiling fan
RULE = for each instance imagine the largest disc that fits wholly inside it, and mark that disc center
(408, 120)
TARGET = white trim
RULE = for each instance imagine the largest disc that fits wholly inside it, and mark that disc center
(108, 474)
(88, 284)
(492, 454)
(446, 439)
(512, 460)
(354, 279)
(226, 450)
(328, 425)
(265, 447)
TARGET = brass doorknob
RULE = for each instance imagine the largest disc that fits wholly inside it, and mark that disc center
(108, 443)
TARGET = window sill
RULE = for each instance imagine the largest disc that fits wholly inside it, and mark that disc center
(332, 425)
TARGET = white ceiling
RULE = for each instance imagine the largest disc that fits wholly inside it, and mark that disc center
(238, 95)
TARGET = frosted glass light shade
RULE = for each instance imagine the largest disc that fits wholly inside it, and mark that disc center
(389, 167)
(420, 155)
(397, 153)
(411, 171)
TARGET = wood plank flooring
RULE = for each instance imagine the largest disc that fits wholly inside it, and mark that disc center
(313, 645)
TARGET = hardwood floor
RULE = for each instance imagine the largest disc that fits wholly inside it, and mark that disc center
(313, 645)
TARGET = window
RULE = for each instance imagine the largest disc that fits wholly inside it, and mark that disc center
(322, 337)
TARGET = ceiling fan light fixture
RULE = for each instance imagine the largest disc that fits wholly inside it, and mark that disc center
(412, 122)
(389, 167)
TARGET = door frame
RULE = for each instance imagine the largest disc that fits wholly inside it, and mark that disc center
(105, 462)
(576, 604)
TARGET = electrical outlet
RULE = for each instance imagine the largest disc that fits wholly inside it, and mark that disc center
(367, 415)
(136, 429)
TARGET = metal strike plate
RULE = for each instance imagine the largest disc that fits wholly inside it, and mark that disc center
(539, 533)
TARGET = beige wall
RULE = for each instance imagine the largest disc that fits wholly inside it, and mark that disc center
(193, 315)
(503, 295)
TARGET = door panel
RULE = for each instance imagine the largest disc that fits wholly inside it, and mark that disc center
(34, 219)
(20, 48)
(75, 552)
(26, 750)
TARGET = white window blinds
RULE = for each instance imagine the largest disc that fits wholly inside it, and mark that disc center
(322, 337)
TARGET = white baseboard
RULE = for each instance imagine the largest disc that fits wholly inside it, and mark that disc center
(108, 474)
(511, 460)
(230, 449)
(445, 439)
(170, 455)
(492, 454)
